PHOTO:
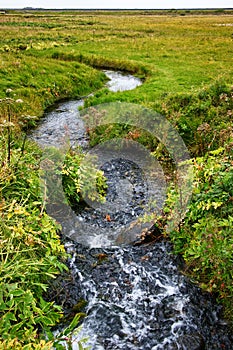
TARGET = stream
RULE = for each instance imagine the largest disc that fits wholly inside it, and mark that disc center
(134, 296)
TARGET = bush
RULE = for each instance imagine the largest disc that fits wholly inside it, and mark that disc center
(81, 179)
(30, 252)
(205, 238)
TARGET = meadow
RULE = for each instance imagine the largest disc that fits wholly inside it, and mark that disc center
(185, 61)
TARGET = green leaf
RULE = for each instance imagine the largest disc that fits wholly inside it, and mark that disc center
(10, 316)
(17, 292)
(72, 325)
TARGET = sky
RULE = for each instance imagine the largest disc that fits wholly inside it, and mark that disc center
(123, 4)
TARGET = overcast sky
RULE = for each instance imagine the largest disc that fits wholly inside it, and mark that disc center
(124, 4)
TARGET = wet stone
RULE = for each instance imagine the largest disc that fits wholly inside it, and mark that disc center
(191, 342)
(136, 303)
(130, 199)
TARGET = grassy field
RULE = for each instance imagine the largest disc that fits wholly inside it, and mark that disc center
(185, 60)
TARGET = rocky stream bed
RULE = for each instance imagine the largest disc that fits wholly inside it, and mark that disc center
(134, 295)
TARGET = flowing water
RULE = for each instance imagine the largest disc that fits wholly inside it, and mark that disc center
(121, 82)
(64, 121)
(134, 296)
(137, 299)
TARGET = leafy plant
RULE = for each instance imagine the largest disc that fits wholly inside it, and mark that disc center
(82, 179)
(30, 252)
(205, 237)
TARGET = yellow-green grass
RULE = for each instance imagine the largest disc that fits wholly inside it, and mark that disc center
(181, 52)
(186, 64)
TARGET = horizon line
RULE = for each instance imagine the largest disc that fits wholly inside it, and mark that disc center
(116, 9)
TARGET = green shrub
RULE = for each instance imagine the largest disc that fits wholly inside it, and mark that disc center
(81, 179)
(30, 253)
(205, 237)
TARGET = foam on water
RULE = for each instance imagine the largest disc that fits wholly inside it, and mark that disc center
(137, 299)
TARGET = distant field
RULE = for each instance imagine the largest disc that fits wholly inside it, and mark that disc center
(178, 52)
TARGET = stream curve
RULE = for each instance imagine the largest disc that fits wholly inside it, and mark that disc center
(135, 297)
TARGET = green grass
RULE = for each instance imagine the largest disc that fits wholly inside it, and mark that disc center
(40, 83)
(185, 60)
(181, 53)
